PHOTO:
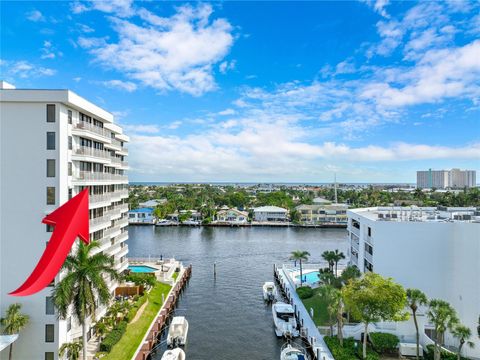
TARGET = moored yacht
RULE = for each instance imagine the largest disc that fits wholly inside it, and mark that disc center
(269, 291)
(177, 332)
(284, 320)
(174, 354)
(290, 352)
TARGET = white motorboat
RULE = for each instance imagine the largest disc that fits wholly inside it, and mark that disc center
(174, 354)
(164, 222)
(284, 320)
(177, 332)
(269, 291)
(290, 352)
(191, 222)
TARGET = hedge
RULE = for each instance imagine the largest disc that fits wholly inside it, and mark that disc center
(113, 337)
(384, 342)
(305, 292)
(347, 352)
(444, 355)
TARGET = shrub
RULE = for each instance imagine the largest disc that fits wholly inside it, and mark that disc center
(134, 308)
(141, 279)
(305, 292)
(113, 337)
(384, 342)
(444, 355)
(347, 352)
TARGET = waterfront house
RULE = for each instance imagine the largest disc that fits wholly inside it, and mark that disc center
(141, 216)
(328, 214)
(270, 213)
(231, 216)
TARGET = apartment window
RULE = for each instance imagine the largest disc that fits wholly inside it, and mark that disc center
(70, 144)
(50, 113)
(49, 333)
(49, 308)
(50, 140)
(369, 231)
(50, 167)
(50, 195)
(49, 228)
(70, 193)
(69, 112)
(49, 356)
(70, 168)
(69, 324)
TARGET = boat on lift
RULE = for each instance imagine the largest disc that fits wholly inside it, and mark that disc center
(174, 354)
(270, 292)
(290, 352)
(177, 332)
(284, 320)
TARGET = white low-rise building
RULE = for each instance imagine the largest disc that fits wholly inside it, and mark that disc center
(54, 144)
(270, 213)
(436, 250)
(231, 216)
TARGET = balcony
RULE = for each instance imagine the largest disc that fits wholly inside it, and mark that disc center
(99, 199)
(85, 151)
(113, 231)
(121, 266)
(369, 257)
(83, 126)
(99, 222)
(123, 208)
(87, 176)
(122, 237)
(123, 193)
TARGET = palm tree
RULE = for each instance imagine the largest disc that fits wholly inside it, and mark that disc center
(335, 309)
(13, 322)
(337, 256)
(462, 333)
(416, 298)
(83, 285)
(71, 349)
(443, 317)
(300, 255)
(328, 256)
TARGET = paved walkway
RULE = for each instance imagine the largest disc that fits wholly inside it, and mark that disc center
(309, 329)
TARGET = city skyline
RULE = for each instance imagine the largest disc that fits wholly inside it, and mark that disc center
(265, 92)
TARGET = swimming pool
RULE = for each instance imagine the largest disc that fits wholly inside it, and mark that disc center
(309, 278)
(141, 269)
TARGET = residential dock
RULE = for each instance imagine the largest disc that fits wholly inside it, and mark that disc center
(308, 330)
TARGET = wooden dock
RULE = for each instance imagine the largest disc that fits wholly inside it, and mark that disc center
(154, 332)
(308, 330)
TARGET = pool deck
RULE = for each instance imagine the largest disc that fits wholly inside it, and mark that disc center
(308, 328)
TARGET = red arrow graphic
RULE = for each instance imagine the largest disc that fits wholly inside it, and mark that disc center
(70, 220)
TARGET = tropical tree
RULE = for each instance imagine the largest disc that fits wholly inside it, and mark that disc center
(374, 298)
(337, 256)
(416, 298)
(13, 322)
(443, 317)
(462, 333)
(300, 255)
(72, 350)
(335, 308)
(329, 256)
(351, 272)
(83, 284)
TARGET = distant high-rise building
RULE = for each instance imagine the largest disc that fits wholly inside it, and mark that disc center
(442, 179)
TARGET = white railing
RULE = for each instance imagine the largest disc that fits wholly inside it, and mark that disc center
(88, 151)
(122, 237)
(122, 193)
(97, 176)
(100, 220)
(123, 208)
(98, 198)
(369, 257)
(82, 125)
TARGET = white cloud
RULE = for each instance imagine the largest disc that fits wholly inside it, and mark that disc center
(175, 53)
(122, 8)
(120, 85)
(227, 112)
(24, 69)
(48, 51)
(77, 79)
(141, 129)
(226, 66)
(35, 16)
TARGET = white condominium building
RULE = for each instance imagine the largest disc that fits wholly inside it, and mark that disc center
(436, 250)
(442, 179)
(54, 144)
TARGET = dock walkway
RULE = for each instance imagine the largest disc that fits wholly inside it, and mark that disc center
(309, 330)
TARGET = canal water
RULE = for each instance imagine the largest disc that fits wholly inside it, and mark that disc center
(227, 316)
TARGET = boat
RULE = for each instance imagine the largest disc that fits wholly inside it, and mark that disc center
(164, 222)
(290, 352)
(174, 354)
(177, 332)
(284, 320)
(269, 291)
(191, 222)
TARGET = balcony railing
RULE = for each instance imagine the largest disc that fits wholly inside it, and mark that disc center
(97, 176)
(123, 208)
(100, 220)
(88, 151)
(82, 125)
(99, 198)
(123, 193)
(122, 237)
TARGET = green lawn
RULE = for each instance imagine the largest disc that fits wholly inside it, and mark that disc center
(175, 275)
(128, 344)
(320, 313)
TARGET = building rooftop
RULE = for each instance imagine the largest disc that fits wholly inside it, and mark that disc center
(142, 210)
(420, 214)
(269, 209)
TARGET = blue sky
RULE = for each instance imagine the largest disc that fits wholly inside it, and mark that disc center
(264, 91)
